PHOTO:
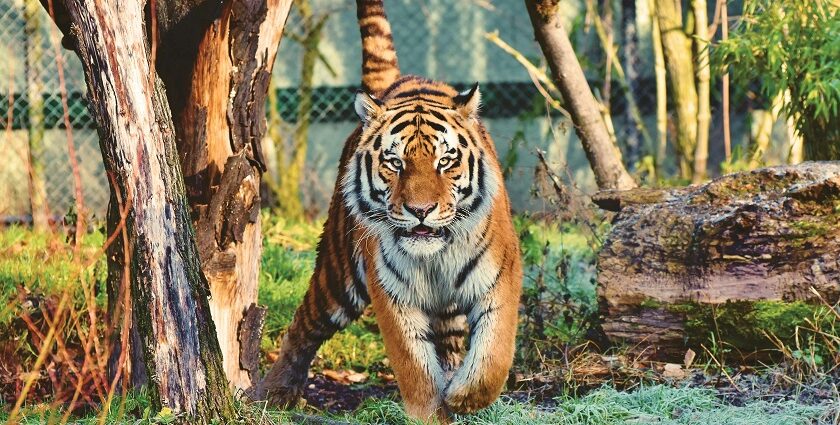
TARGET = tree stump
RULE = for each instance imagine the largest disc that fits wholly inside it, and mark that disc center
(736, 257)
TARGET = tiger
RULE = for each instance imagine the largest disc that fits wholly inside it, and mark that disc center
(420, 228)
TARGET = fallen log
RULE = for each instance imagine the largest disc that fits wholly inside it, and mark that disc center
(734, 259)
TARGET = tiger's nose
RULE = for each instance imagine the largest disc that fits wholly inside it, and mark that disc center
(420, 210)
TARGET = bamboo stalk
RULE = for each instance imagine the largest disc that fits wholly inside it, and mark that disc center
(661, 89)
(704, 115)
(675, 33)
(727, 136)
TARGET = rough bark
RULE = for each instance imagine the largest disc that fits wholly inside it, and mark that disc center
(763, 236)
(170, 293)
(216, 62)
(679, 62)
(603, 155)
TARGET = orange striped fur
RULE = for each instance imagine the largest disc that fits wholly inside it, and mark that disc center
(379, 58)
(419, 227)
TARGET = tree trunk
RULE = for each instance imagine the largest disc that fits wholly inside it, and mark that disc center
(762, 135)
(138, 147)
(608, 42)
(661, 90)
(704, 113)
(33, 45)
(630, 57)
(679, 62)
(216, 64)
(604, 156)
(215, 61)
(680, 264)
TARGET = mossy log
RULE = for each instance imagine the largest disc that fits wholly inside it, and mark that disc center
(736, 257)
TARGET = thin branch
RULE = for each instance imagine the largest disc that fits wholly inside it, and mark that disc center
(533, 71)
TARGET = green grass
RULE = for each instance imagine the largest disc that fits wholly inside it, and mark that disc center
(559, 288)
(287, 264)
(44, 264)
(657, 404)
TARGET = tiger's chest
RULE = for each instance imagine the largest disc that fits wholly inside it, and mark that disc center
(460, 274)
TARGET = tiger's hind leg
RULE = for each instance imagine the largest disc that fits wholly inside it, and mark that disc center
(336, 296)
(450, 328)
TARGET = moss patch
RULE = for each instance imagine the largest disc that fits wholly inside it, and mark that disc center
(743, 185)
(743, 325)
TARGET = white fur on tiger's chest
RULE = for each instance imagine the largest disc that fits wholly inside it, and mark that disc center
(460, 274)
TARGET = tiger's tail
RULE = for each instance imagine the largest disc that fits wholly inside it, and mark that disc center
(379, 58)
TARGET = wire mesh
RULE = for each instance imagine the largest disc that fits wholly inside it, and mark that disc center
(440, 39)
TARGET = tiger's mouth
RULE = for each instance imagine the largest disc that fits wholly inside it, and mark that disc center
(422, 231)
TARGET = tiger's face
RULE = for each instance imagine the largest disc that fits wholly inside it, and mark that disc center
(420, 174)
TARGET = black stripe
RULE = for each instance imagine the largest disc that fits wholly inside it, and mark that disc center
(375, 194)
(391, 267)
(371, 58)
(462, 141)
(412, 102)
(438, 115)
(469, 267)
(436, 126)
(400, 114)
(468, 190)
(479, 197)
(374, 29)
(417, 92)
(474, 324)
(385, 179)
(446, 315)
(399, 127)
(339, 292)
(358, 281)
(336, 285)
(451, 333)
(471, 165)
(377, 67)
(377, 142)
(370, 10)
(325, 324)
(364, 205)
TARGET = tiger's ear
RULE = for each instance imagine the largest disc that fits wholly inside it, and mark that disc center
(368, 107)
(467, 102)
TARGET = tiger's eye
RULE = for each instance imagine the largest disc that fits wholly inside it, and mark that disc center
(395, 163)
(443, 162)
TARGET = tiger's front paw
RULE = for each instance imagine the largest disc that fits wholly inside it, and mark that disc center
(467, 397)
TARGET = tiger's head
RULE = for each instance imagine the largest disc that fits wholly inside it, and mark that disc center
(424, 171)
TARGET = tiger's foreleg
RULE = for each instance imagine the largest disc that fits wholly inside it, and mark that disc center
(328, 307)
(484, 371)
(407, 334)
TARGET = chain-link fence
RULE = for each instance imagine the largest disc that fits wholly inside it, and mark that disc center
(440, 39)
(36, 173)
